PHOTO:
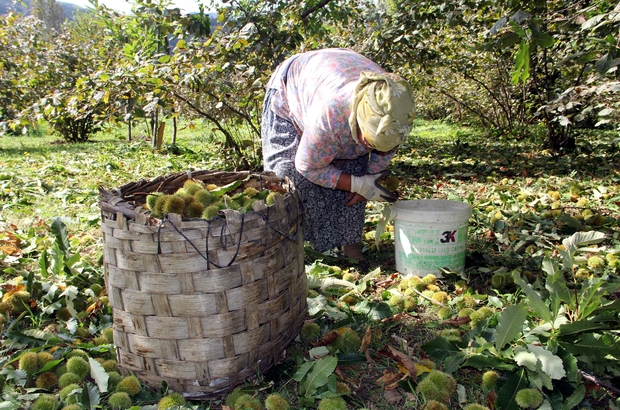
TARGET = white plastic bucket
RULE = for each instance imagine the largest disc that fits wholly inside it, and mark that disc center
(430, 234)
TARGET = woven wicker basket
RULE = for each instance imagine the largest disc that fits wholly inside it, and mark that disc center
(203, 305)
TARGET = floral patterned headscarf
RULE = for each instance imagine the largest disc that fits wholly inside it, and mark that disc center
(383, 109)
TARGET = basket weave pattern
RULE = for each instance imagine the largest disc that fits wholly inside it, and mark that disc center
(202, 304)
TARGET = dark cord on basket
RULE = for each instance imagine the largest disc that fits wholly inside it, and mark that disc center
(165, 219)
(265, 218)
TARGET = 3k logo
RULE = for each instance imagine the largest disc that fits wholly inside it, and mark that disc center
(448, 236)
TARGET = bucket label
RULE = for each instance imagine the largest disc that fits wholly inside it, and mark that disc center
(448, 236)
(424, 248)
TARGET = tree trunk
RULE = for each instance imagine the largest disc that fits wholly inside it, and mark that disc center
(154, 123)
(174, 130)
(560, 139)
(160, 135)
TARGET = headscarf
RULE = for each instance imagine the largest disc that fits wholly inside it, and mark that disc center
(383, 109)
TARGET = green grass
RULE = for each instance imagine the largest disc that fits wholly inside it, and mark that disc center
(517, 220)
(46, 178)
(440, 130)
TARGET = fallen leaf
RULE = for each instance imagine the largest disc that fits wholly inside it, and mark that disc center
(405, 361)
(276, 188)
(389, 378)
(10, 244)
(395, 385)
(327, 339)
(396, 318)
(10, 249)
(366, 340)
(404, 344)
(410, 397)
(393, 397)
(491, 400)
(9, 290)
(339, 373)
(457, 322)
(92, 307)
(422, 369)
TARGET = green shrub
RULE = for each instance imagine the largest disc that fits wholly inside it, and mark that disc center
(5, 307)
(595, 262)
(19, 300)
(445, 312)
(348, 341)
(110, 365)
(79, 353)
(60, 369)
(100, 340)
(232, 398)
(114, 379)
(247, 402)
(43, 358)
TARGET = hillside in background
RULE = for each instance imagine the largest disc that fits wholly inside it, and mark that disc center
(8, 5)
(69, 9)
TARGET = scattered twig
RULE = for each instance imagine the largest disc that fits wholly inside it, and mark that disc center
(427, 298)
(594, 379)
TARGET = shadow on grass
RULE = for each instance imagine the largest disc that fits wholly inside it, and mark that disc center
(476, 157)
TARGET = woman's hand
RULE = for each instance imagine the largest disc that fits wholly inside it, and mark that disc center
(368, 187)
(354, 198)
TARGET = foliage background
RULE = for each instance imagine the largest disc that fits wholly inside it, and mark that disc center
(510, 67)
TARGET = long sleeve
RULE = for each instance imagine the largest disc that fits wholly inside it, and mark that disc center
(315, 93)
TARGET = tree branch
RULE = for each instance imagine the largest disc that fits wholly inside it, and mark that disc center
(483, 117)
(596, 380)
(493, 96)
(219, 126)
(311, 10)
(239, 113)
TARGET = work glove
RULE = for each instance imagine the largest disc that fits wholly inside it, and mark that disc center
(368, 187)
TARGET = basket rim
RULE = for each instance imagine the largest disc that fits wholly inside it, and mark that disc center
(123, 199)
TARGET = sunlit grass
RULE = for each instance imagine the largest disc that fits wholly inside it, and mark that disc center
(44, 178)
(439, 130)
